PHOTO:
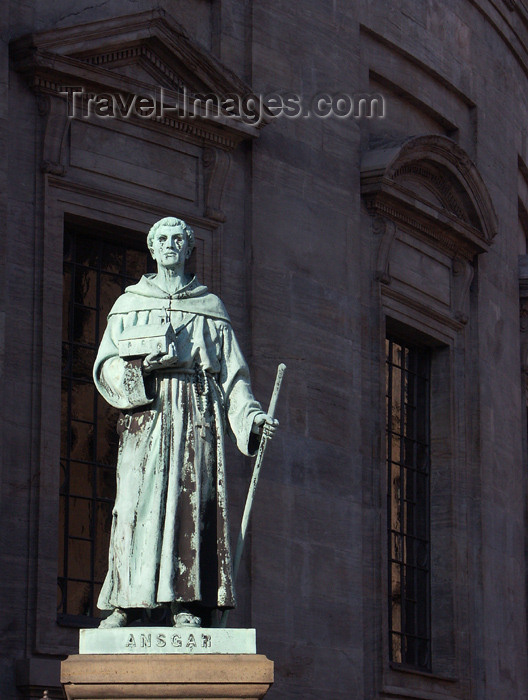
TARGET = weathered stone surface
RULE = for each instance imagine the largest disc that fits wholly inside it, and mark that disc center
(170, 535)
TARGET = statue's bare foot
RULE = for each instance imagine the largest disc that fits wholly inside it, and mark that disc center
(118, 618)
(185, 619)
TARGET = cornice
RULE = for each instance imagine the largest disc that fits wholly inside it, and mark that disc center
(454, 322)
(156, 27)
(60, 183)
(91, 57)
(445, 235)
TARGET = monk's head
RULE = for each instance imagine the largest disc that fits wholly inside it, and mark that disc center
(170, 221)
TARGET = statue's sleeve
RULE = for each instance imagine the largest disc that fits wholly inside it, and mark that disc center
(119, 381)
(240, 405)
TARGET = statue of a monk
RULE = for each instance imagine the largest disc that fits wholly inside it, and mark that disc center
(169, 542)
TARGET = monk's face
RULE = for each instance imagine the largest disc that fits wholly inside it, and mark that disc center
(170, 247)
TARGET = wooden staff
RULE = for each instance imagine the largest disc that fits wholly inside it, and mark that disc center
(254, 482)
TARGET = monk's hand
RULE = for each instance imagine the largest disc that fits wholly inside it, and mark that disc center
(264, 424)
(156, 361)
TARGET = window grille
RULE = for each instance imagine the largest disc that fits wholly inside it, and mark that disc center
(96, 271)
(408, 503)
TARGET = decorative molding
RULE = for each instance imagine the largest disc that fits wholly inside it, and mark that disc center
(196, 131)
(57, 123)
(424, 309)
(216, 166)
(91, 56)
(386, 229)
(439, 236)
(130, 53)
(440, 186)
(465, 222)
(63, 184)
(463, 273)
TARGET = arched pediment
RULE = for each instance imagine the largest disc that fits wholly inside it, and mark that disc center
(436, 185)
(430, 185)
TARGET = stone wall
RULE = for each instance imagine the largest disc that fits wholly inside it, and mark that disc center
(298, 255)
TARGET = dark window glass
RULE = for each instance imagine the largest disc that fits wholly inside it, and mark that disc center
(95, 274)
(408, 475)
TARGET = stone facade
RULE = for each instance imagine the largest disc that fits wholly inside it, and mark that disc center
(320, 234)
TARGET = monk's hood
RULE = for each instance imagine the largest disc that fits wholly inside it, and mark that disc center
(194, 298)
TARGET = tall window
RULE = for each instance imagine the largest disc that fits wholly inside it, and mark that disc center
(408, 466)
(96, 271)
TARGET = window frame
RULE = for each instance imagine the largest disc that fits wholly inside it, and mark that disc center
(422, 355)
(447, 456)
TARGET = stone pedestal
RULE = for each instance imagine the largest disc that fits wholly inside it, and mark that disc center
(147, 675)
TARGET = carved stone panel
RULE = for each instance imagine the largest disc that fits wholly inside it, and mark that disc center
(141, 160)
(432, 215)
(426, 272)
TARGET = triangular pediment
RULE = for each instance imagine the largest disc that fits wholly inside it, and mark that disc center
(136, 54)
(142, 62)
(153, 60)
